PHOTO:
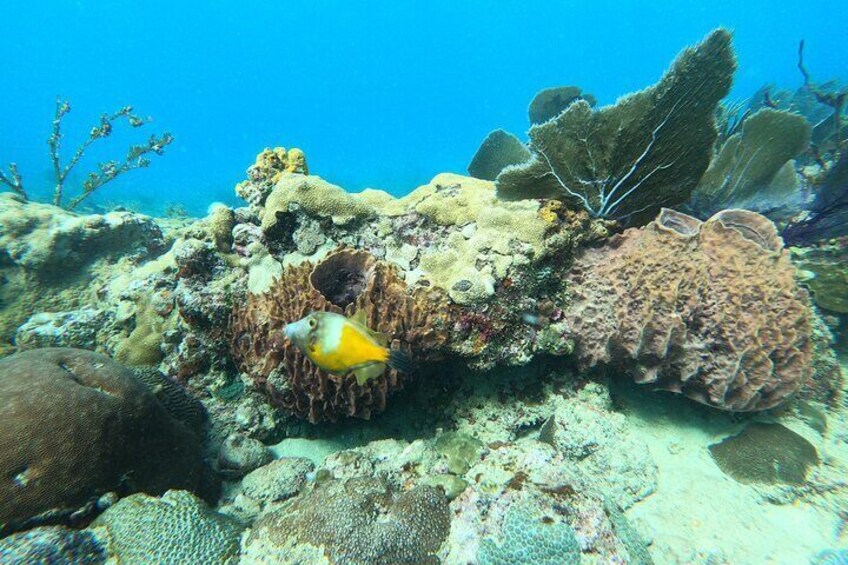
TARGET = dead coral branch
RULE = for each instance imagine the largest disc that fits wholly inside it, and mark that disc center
(13, 181)
(135, 157)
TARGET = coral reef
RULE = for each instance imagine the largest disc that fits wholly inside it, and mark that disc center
(498, 151)
(176, 528)
(344, 282)
(753, 166)
(708, 310)
(550, 102)
(49, 259)
(626, 161)
(528, 484)
(599, 442)
(765, 453)
(352, 522)
(91, 428)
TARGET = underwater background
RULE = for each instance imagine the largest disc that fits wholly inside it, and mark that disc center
(381, 95)
(322, 283)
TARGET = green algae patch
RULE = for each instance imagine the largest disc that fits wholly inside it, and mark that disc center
(766, 454)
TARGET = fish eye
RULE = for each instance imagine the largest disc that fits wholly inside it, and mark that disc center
(312, 322)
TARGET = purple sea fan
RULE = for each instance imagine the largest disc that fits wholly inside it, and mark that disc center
(828, 214)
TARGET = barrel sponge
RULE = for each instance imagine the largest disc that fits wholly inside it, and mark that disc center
(360, 520)
(343, 282)
(709, 310)
(77, 425)
(178, 529)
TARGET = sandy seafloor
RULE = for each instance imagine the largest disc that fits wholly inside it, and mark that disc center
(699, 515)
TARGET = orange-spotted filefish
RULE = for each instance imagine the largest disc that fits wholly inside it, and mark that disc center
(340, 345)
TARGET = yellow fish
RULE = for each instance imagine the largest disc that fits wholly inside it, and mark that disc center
(340, 345)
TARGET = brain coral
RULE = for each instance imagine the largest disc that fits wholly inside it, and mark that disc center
(89, 428)
(355, 522)
(343, 282)
(176, 529)
(710, 310)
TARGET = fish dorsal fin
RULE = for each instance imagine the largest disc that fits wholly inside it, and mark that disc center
(365, 374)
(360, 320)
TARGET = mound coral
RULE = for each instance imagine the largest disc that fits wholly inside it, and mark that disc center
(344, 282)
(649, 150)
(710, 310)
(767, 454)
(91, 428)
(353, 522)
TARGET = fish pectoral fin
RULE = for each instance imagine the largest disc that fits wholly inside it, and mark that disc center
(365, 374)
(360, 320)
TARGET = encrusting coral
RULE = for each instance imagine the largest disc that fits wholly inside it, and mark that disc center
(355, 522)
(91, 428)
(626, 161)
(344, 282)
(710, 310)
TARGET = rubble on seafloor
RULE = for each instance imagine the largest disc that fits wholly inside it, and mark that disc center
(571, 378)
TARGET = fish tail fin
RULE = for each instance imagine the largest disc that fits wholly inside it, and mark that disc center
(401, 361)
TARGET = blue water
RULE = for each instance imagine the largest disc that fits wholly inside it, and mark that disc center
(378, 94)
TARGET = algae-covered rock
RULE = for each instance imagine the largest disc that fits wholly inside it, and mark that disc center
(498, 151)
(176, 529)
(628, 160)
(57, 545)
(766, 454)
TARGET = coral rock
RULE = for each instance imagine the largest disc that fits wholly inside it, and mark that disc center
(90, 428)
(343, 282)
(708, 310)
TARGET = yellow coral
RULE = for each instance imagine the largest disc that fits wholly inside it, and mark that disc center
(272, 163)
